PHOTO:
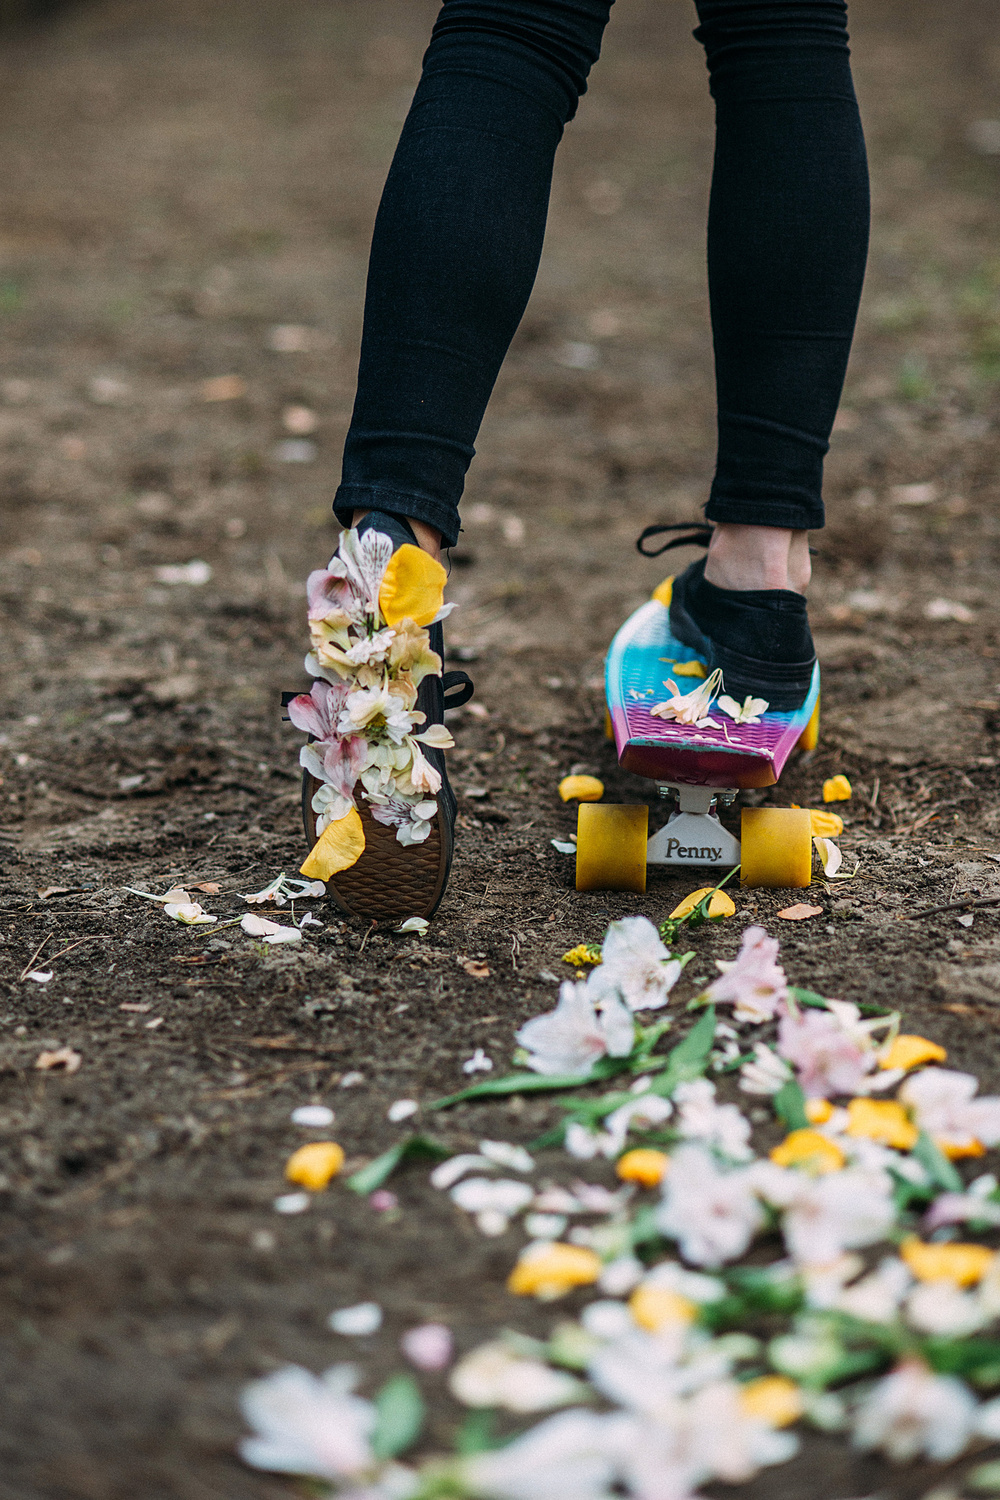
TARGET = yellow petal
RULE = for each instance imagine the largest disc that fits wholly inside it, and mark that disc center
(882, 1120)
(553, 1270)
(338, 847)
(663, 593)
(809, 1149)
(910, 1052)
(688, 668)
(825, 825)
(836, 789)
(581, 789)
(312, 1166)
(773, 1399)
(412, 587)
(643, 1165)
(955, 1150)
(963, 1264)
(720, 905)
(655, 1308)
(818, 1111)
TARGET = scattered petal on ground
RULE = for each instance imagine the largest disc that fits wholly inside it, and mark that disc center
(60, 1057)
(401, 1110)
(800, 912)
(359, 1321)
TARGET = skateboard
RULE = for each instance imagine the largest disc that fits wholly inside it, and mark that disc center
(697, 768)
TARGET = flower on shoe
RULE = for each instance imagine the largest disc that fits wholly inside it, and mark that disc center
(636, 966)
(571, 1038)
(317, 711)
(692, 707)
(722, 1127)
(943, 1104)
(419, 775)
(913, 1412)
(410, 652)
(309, 1424)
(754, 984)
(713, 1213)
(374, 709)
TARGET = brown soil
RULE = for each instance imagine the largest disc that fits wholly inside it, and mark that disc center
(178, 180)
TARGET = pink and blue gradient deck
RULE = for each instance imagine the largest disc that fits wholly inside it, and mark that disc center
(642, 656)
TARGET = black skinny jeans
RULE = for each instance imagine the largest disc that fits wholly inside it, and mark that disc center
(459, 235)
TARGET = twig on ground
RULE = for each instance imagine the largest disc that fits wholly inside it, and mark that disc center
(930, 911)
(28, 966)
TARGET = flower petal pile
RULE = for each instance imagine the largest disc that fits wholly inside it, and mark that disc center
(732, 1293)
(368, 617)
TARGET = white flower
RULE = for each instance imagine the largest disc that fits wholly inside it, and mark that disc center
(401, 1109)
(755, 983)
(571, 1038)
(328, 804)
(308, 1424)
(824, 1216)
(493, 1202)
(376, 708)
(876, 1297)
(496, 1375)
(692, 707)
(712, 1214)
(833, 1050)
(765, 1073)
(572, 1456)
(636, 966)
(671, 1276)
(506, 1154)
(191, 913)
(363, 559)
(719, 1126)
(281, 889)
(478, 1063)
(370, 649)
(357, 1321)
(913, 1412)
(455, 1167)
(747, 712)
(622, 1275)
(315, 1116)
(943, 1105)
(271, 932)
(939, 1307)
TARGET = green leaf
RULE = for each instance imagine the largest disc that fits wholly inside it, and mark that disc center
(477, 1433)
(689, 1058)
(961, 1356)
(413, 1148)
(984, 1477)
(536, 1083)
(790, 1106)
(400, 1416)
(937, 1165)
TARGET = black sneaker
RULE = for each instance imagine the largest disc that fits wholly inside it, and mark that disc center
(759, 638)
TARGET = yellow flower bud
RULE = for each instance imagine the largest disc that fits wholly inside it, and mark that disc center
(720, 905)
(656, 1307)
(581, 789)
(882, 1120)
(773, 1399)
(836, 789)
(963, 1264)
(550, 1271)
(809, 1149)
(910, 1052)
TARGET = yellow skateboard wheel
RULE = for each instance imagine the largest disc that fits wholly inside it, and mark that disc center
(611, 839)
(776, 847)
(609, 729)
(809, 738)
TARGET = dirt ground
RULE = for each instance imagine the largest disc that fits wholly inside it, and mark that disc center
(180, 180)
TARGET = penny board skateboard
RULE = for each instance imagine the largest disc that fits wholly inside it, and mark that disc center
(698, 769)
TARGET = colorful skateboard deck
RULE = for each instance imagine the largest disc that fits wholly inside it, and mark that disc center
(642, 656)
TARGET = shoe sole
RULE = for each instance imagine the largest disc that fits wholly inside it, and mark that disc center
(391, 881)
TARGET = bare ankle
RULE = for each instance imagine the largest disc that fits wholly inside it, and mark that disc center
(428, 539)
(758, 557)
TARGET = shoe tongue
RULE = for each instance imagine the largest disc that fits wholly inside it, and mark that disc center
(396, 527)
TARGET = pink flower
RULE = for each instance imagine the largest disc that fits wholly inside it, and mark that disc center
(429, 1347)
(755, 984)
(317, 711)
(943, 1105)
(828, 1058)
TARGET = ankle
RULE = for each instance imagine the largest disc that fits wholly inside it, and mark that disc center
(758, 557)
(428, 539)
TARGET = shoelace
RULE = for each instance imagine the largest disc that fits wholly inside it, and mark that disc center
(698, 534)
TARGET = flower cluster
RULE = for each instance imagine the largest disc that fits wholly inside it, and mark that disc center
(368, 613)
(699, 1352)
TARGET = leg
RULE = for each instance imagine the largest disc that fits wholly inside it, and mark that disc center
(787, 241)
(456, 247)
